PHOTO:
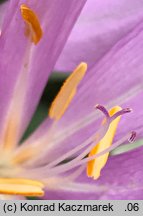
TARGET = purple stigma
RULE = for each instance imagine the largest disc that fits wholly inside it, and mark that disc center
(122, 112)
(103, 110)
(132, 137)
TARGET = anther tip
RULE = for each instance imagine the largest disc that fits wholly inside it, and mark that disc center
(83, 63)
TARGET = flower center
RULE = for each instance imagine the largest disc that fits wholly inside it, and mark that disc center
(16, 186)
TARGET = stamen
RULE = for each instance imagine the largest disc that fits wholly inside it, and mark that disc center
(94, 167)
(23, 187)
(80, 159)
(70, 165)
(67, 92)
(33, 28)
(109, 149)
(65, 167)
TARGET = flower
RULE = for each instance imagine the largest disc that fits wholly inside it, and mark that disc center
(70, 133)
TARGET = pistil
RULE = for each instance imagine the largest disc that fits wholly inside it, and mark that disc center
(95, 166)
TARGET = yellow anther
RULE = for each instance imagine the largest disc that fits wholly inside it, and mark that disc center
(67, 92)
(95, 166)
(25, 187)
(33, 28)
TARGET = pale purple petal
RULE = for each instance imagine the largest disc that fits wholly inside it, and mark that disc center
(12, 46)
(100, 25)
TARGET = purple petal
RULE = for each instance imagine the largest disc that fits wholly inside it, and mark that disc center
(57, 18)
(100, 26)
(68, 195)
(121, 178)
